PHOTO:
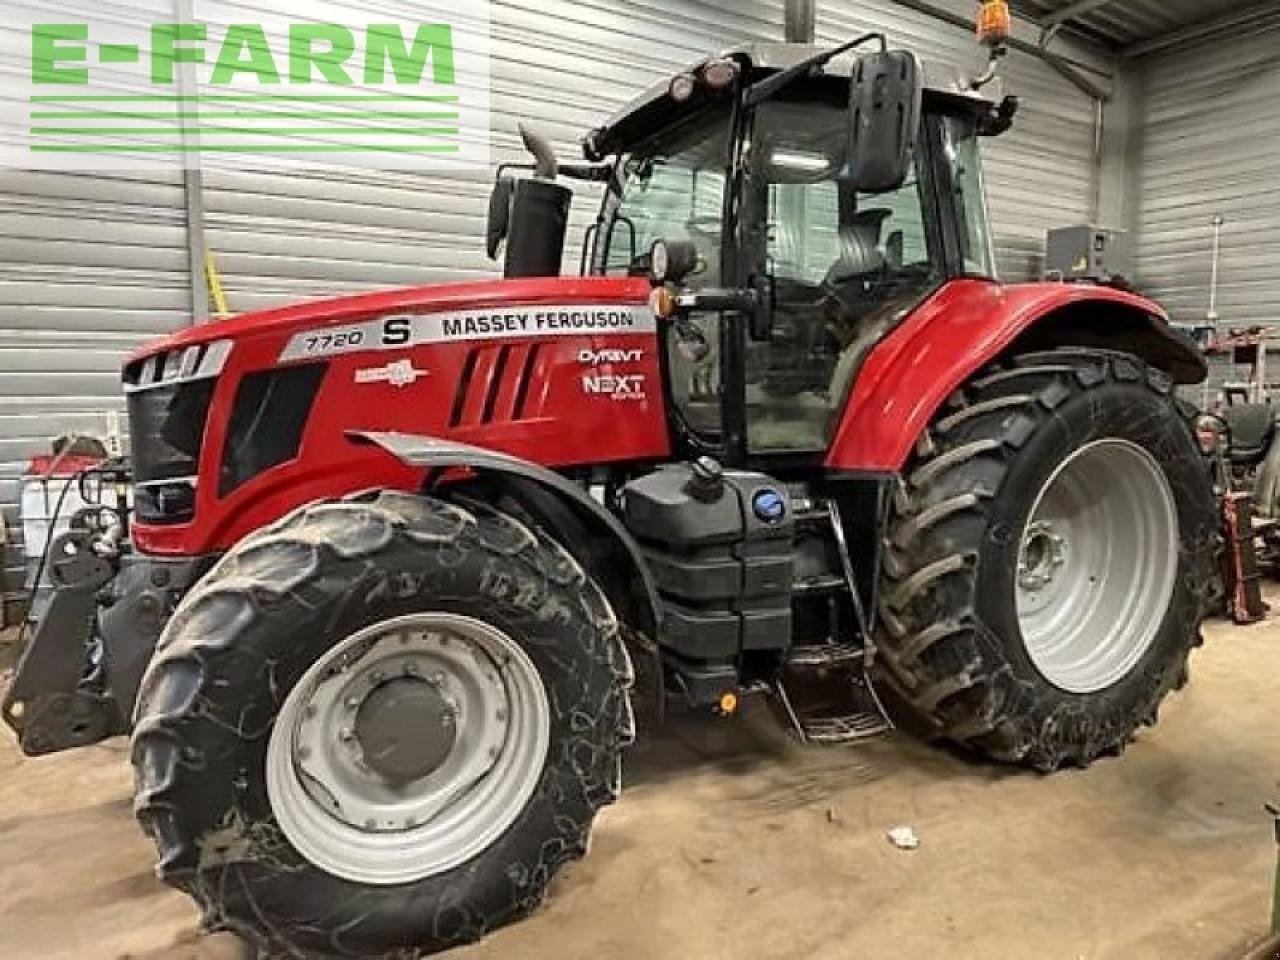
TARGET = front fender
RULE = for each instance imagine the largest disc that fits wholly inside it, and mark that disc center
(908, 375)
(432, 453)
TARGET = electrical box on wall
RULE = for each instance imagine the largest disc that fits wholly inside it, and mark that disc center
(1088, 253)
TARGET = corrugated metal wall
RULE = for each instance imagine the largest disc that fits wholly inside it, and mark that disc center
(1212, 147)
(560, 66)
(90, 266)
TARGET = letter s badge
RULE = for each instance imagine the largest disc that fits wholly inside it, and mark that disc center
(396, 331)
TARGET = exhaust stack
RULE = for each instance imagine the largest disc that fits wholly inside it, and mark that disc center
(539, 215)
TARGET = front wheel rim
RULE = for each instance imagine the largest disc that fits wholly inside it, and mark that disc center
(1097, 566)
(474, 698)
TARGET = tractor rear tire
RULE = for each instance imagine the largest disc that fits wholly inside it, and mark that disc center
(472, 615)
(1047, 560)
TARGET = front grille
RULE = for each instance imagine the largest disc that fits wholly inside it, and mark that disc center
(168, 396)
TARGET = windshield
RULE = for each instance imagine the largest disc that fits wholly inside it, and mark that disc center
(672, 189)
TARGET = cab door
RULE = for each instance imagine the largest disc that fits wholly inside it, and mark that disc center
(840, 269)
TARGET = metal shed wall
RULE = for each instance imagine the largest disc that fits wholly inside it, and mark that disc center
(1212, 147)
(92, 265)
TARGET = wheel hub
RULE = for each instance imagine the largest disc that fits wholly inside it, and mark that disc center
(405, 729)
(1043, 553)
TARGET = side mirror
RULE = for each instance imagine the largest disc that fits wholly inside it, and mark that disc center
(884, 119)
(499, 215)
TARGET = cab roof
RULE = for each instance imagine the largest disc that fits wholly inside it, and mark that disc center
(654, 109)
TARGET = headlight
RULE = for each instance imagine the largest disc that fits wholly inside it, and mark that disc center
(671, 262)
(659, 262)
(718, 74)
(682, 87)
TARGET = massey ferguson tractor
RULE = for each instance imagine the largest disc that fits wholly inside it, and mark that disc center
(372, 615)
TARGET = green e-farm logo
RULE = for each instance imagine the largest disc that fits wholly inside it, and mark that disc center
(308, 82)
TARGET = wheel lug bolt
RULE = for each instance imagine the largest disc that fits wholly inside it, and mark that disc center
(346, 735)
(436, 679)
(353, 703)
(410, 669)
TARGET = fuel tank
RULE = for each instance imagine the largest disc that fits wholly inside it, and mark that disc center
(234, 423)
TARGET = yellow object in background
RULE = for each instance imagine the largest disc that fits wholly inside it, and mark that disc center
(219, 296)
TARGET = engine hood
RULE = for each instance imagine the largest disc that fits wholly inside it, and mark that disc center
(472, 295)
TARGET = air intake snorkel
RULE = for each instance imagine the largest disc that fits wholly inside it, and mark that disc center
(531, 214)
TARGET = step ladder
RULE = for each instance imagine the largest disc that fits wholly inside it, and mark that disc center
(859, 715)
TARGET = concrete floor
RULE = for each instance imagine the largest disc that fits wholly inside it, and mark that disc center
(732, 842)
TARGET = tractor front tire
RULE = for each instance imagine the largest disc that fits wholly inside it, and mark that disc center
(379, 728)
(1047, 559)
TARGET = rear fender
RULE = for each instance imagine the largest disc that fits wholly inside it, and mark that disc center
(968, 324)
(590, 531)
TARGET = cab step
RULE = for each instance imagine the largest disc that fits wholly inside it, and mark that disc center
(824, 656)
(847, 729)
(830, 725)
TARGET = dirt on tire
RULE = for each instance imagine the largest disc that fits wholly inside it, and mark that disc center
(245, 635)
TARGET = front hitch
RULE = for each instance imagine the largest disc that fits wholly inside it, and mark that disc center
(78, 675)
(47, 705)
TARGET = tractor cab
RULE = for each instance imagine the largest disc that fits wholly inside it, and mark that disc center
(800, 204)
(775, 193)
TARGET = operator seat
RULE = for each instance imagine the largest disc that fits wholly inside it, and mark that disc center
(861, 253)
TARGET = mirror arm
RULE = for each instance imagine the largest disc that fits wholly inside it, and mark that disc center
(766, 88)
(718, 300)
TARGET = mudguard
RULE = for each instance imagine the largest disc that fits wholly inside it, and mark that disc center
(432, 453)
(908, 375)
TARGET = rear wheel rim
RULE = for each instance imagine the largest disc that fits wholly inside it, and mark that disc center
(477, 727)
(1097, 565)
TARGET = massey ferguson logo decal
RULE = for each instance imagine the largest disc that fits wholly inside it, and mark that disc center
(400, 331)
(627, 387)
(400, 373)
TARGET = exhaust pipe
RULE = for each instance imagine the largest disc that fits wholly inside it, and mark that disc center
(545, 165)
(539, 215)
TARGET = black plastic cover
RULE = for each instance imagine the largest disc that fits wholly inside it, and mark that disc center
(267, 421)
(536, 228)
(724, 567)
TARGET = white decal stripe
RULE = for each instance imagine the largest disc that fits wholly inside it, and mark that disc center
(399, 331)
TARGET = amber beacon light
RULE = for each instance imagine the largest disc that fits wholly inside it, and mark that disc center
(995, 23)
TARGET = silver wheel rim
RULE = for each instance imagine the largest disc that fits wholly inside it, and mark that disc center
(493, 725)
(1097, 564)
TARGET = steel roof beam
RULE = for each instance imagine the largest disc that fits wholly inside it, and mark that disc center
(1259, 14)
(1057, 18)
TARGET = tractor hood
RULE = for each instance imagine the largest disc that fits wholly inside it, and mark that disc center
(436, 298)
(233, 421)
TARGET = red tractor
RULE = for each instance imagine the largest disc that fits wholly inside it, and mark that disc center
(370, 623)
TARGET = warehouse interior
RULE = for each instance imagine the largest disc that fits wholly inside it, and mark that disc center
(1154, 120)
(1175, 131)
